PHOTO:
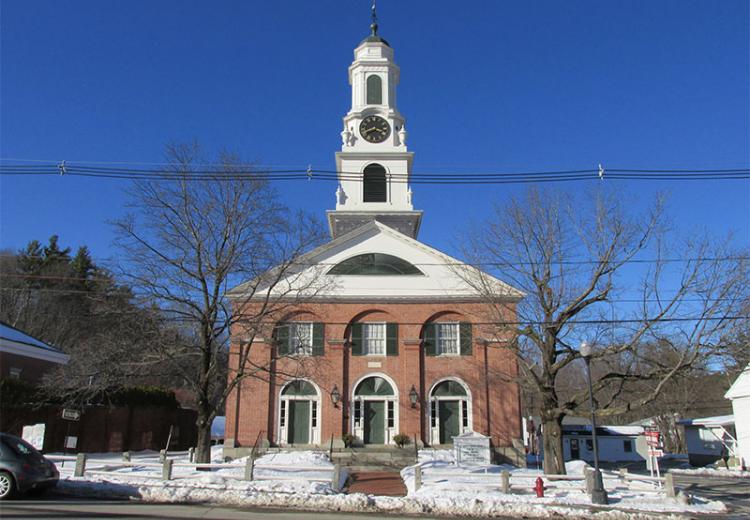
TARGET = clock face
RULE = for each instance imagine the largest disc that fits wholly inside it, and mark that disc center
(374, 129)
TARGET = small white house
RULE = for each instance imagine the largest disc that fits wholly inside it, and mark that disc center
(616, 443)
(739, 394)
(708, 437)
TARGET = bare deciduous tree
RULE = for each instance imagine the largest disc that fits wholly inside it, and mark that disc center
(575, 266)
(192, 237)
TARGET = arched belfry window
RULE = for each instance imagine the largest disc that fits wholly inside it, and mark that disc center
(375, 189)
(374, 90)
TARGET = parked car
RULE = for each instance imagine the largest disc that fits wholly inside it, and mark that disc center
(23, 468)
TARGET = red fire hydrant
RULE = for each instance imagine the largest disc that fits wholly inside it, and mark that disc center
(539, 487)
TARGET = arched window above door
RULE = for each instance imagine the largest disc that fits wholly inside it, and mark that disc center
(297, 388)
(374, 386)
(449, 389)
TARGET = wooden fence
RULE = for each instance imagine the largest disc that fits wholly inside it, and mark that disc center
(166, 465)
(505, 480)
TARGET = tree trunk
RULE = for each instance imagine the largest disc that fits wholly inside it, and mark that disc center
(203, 441)
(552, 442)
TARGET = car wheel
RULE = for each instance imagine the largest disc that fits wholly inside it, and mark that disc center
(7, 485)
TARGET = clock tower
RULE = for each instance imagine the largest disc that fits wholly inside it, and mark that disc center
(374, 164)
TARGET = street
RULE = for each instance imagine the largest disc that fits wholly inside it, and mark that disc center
(734, 492)
(56, 507)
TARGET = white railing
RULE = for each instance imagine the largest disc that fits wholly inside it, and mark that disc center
(109, 467)
(507, 481)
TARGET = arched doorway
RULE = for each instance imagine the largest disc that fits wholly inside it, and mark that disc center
(299, 413)
(375, 410)
(450, 411)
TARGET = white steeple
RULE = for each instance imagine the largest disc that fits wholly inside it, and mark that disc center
(374, 165)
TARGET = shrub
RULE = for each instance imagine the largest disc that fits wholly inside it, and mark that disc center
(401, 440)
(348, 439)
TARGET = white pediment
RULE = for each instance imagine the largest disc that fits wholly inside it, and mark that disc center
(443, 276)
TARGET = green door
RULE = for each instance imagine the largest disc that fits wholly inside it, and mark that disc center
(374, 422)
(448, 412)
(299, 422)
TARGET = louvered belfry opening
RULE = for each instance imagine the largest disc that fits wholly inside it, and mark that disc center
(375, 187)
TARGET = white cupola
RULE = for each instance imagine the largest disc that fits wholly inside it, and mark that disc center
(374, 164)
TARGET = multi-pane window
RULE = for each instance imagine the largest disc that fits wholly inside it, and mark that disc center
(301, 338)
(447, 339)
(374, 339)
(433, 413)
(282, 415)
(391, 415)
(358, 413)
(465, 413)
(314, 414)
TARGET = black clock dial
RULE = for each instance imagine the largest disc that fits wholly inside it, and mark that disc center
(374, 129)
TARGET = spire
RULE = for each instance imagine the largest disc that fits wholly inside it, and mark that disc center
(374, 24)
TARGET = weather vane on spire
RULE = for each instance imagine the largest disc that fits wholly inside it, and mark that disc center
(374, 24)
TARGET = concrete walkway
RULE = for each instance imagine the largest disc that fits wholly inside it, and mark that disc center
(383, 483)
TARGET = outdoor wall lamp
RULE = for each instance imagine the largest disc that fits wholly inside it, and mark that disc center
(413, 396)
(335, 396)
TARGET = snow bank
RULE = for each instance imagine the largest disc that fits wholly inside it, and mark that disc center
(445, 485)
(712, 472)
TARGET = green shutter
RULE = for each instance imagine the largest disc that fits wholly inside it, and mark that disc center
(356, 342)
(391, 339)
(282, 338)
(430, 345)
(465, 331)
(318, 339)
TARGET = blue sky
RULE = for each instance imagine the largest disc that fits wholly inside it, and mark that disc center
(485, 86)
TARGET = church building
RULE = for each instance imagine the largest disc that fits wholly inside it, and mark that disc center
(395, 341)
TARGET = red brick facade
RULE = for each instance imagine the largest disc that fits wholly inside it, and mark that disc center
(488, 372)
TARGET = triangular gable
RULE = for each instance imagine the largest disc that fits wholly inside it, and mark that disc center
(440, 279)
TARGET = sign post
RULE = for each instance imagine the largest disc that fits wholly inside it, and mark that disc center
(472, 449)
(653, 441)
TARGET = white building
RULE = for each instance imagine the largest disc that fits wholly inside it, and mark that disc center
(616, 443)
(739, 394)
(707, 437)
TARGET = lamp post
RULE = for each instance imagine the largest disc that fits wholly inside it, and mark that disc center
(598, 494)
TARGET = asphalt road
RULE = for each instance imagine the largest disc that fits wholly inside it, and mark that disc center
(734, 492)
(57, 507)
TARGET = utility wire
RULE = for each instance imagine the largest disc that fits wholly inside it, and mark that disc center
(192, 319)
(466, 264)
(240, 173)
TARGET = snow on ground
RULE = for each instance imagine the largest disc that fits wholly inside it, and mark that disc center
(293, 472)
(712, 472)
(462, 493)
(443, 481)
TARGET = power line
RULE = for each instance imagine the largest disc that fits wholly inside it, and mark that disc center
(192, 319)
(442, 291)
(242, 173)
(466, 264)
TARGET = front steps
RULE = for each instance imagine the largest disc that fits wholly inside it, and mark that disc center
(370, 458)
(381, 458)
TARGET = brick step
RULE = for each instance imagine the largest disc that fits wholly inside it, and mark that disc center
(379, 483)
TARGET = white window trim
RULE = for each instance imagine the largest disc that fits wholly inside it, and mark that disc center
(433, 409)
(365, 348)
(296, 350)
(359, 429)
(458, 339)
(281, 430)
